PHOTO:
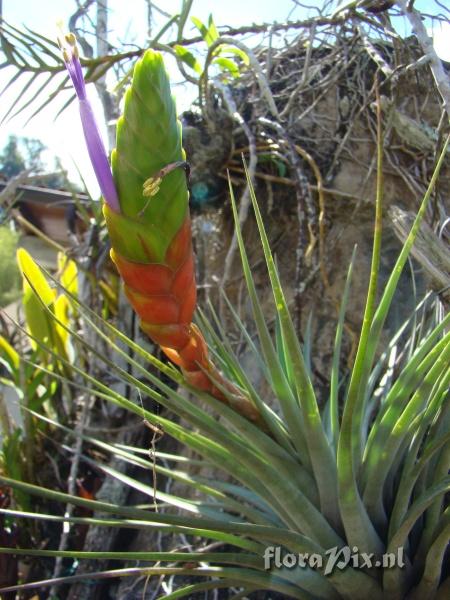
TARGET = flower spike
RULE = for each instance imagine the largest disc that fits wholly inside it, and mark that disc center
(94, 142)
(151, 233)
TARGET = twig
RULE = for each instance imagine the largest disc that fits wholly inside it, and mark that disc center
(303, 81)
(254, 63)
(305, 203)
(288, 182)
(245, 198)
(27, 225)
(320, 192)
(71, 489)
(430, 251)
(81, 11)
(375, 54)
(426, 43)
(157, 433)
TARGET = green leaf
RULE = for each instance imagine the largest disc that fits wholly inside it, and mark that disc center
(410, 474)
(333, 403)
(13, 465)
(197, 483)
(397, 429)
(391, 285)
(394, 579)
(188, 591)
(195, 526)
(233, 368)
(228, 65)
(188, 58)
(238, 52)
(278, 380)
(434, 562)
(243, 576)
(38, 320)
(359, 529)
(209, 33)
(322, 459)
(68, 273)
(397, 398)
(8, 356)
(249, 560)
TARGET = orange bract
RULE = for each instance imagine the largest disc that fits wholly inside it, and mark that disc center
(164, 296)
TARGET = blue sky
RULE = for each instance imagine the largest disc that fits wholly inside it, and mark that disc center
(127, 21)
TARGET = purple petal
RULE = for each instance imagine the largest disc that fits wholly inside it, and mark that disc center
(68, 45)
(94, 142)
(76, 75)
(97, 154)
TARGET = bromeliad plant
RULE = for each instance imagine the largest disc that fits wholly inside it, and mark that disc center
(365, 476)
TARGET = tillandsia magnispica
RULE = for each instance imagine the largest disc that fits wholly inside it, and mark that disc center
(336, 500)
(147, 214)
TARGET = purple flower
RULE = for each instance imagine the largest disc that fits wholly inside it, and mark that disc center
(94, 142)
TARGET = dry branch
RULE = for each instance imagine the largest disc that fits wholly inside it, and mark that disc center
(440, 76)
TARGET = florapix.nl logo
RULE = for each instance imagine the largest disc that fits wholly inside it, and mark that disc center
(332, 559)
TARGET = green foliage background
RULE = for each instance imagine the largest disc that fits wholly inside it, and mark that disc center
(10, 278)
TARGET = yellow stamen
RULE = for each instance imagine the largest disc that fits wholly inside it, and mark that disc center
(71, 39)
(151, 186)
(67, 43)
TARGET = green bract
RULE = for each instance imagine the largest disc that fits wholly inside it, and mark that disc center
(148, 139)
